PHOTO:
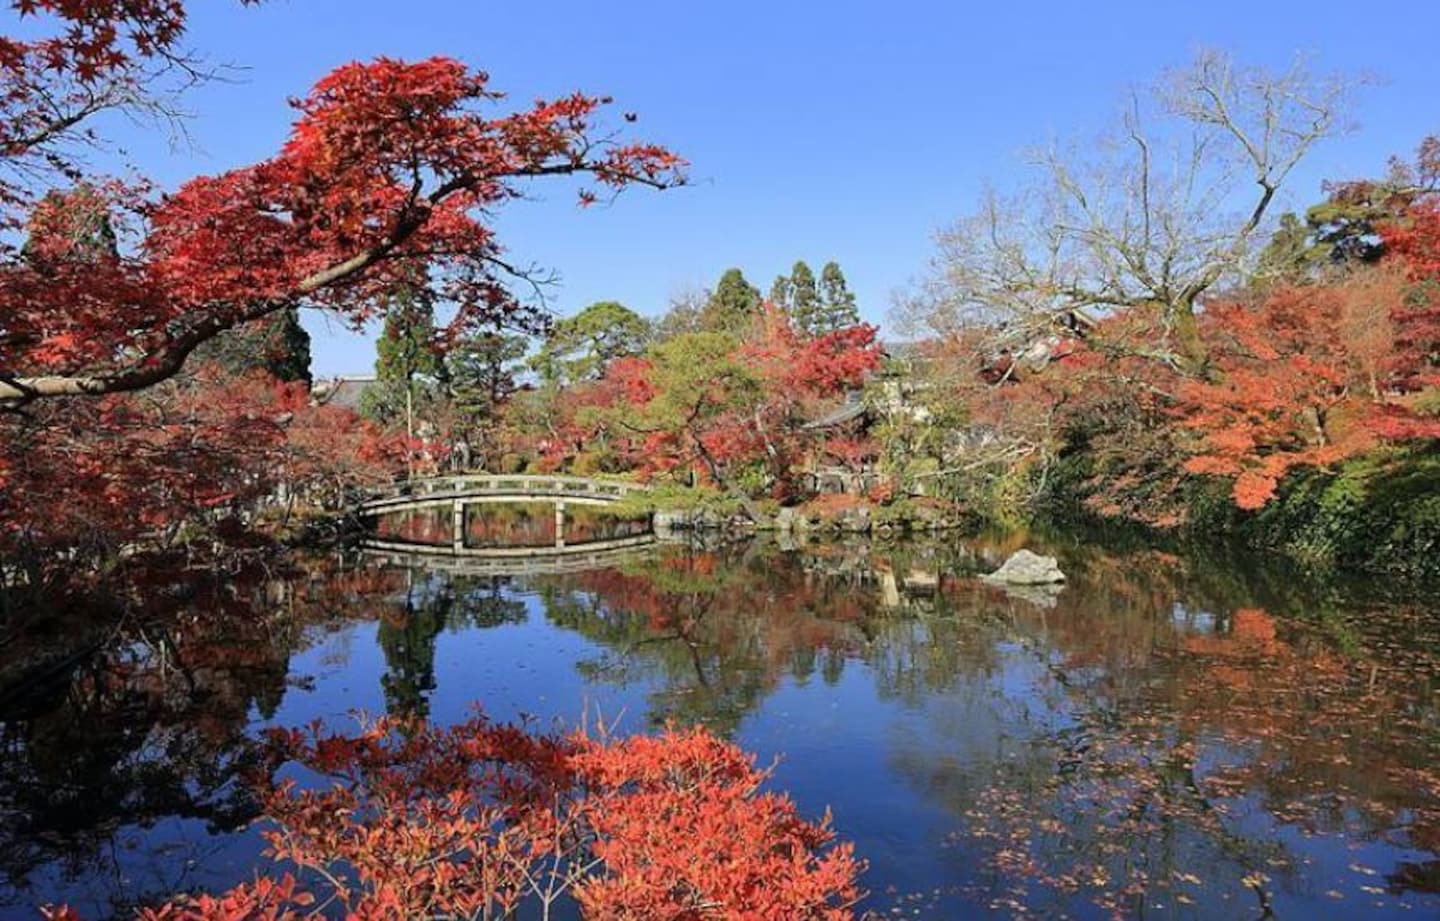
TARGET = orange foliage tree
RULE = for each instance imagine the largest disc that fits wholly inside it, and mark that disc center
(1286, 394)
(1415, 364)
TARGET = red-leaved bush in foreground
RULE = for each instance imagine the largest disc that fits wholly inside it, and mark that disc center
(409, 820)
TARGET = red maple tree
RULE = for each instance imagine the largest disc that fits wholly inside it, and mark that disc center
(411, 820)
(392, 172)
(1415, 363)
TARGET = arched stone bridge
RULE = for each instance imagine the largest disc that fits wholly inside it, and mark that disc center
(457, 492)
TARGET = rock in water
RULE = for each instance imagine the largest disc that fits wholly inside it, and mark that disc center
(1026, 568)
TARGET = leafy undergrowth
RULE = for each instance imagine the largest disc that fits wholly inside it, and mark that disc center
(1379, 513)
(662, 497)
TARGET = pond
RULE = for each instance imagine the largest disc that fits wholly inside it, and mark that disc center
(1172, 735)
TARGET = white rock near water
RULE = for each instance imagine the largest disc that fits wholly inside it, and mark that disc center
(1026, 568)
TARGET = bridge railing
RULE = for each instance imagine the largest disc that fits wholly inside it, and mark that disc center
(511, 484)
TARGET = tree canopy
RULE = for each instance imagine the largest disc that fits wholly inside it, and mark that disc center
(580, 347)
(390, 176)
(733, 305)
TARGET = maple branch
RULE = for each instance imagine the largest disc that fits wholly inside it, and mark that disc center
(170, 359)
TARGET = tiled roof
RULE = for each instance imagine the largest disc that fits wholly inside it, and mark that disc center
(344, 390)
(847, 413)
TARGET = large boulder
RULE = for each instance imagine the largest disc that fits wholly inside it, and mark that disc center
(1026, 568)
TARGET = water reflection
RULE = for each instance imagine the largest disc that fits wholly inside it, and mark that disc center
(125, 718)
(1166, 734)
(509, 525)
(1137, 740)
(410, 629)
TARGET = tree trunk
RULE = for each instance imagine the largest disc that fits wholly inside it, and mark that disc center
(751, 509)
(1194, 357)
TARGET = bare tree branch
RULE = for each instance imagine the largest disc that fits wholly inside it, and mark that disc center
(1151, 219)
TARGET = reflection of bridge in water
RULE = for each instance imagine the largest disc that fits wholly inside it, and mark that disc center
(508, 561)
(459, 492)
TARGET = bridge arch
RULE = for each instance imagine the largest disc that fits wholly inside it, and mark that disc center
(459, 492)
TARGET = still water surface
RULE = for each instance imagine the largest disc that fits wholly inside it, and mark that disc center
(1167, 736)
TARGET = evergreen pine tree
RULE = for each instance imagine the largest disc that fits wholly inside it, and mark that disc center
(482, 371)
(406, 347)
(580, 347)
(277, 345)
(781, 292)
(404, 353)
(838, 310)
(733, 306)
(805, 306)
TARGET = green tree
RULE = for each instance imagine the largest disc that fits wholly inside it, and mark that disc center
(804, 305)
(408, 644)
(733, 306)
(579, 347)
(1346, 227)
(1343, 231)
(837, 301)
(405, 357)
(701, 384)
(278, 345)
(816, 309)
(482, 370)
(406, 349)
(781, 291)
(1290, 255)
(1340, 231)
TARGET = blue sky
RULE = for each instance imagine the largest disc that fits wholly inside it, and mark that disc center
(846, 131)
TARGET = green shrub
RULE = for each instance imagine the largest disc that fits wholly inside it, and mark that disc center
(1378, 513)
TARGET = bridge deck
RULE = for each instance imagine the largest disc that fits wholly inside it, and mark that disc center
(481, 488)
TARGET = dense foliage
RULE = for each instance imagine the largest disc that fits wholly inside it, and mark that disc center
(480, 819)
(142, 334)
(725, 408)
(1322, 361)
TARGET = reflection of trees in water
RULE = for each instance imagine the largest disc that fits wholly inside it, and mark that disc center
(1179, 731)
(1150, 724)
(410, 629)
(1155, 723)
(713, 633)
(130, 707)
(518, 524)
(510, 524)
(588, 523)
(433, 526)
